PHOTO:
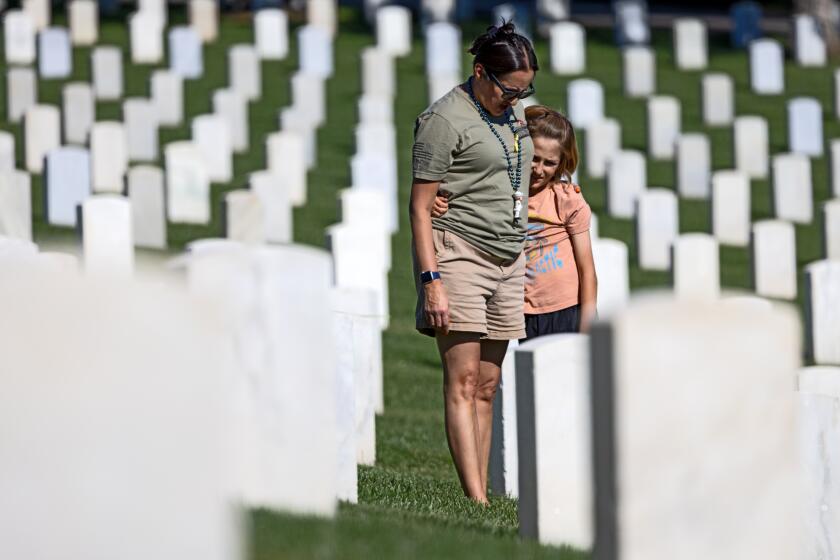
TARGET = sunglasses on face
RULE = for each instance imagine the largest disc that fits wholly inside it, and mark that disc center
(508, 94)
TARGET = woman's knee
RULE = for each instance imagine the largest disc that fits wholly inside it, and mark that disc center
(486, 391)
(462, 385)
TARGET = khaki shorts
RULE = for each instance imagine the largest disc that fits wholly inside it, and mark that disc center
(486, 293)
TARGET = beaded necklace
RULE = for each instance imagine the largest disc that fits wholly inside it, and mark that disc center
(515, 176)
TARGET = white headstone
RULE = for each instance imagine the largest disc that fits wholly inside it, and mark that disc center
(292, 120)
(40, 11)
(234, 108)
(244, 71)
(107, 70)
(691, 52)
(819, 429)
(55, 57)
(645, 505)
(602, 140)
(822, 311)
(271, 34)
(554, 426)
(831, 228)
(443, 49)
(79, 112)
(626, 181)
(211, 134)
(805, 130)
(348, 448)
(751, 140)
(185, 52)
(109, 156)
(315, 51)
(639, 71)
(612, 267)
(274, 198)
(631, 22)
(375, 109)
(244, 217)
(393, 30)
(141, 128)
(664, 122)
(378, 172)
(696, 266)
(168, 97)
(84, 22)
(377, 138)
(438, 10)
(156, 8)
(767, 73)
(504, 451)
(378, 75)
(360, 351)
(323, 13)
(187, 184)
(731, 208)
(441, 84)
(834, 169)
(146, 38)
(774, 259)
(19, 35)
(792, 188)
(21, 92)
(657, 228)
(68, 184)
(106, 235)
(568, 48)
(97, 384)
(41, 133)
(286, 445)
(309, 97)
(361, 247)
(367, 207)
(694, 161)
(718, 99)
(286, 158)
(809, 45)
(148, 206)
(15, 205)
(7, 151)
(204, 18)
(585, 102)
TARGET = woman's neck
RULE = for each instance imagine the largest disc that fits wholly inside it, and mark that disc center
(481, 97)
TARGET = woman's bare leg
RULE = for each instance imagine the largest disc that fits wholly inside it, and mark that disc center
(489, 373)
(461, 355)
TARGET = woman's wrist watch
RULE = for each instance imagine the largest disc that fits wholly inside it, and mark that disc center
(429, 275)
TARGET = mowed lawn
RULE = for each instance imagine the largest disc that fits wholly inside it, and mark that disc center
(410, 503)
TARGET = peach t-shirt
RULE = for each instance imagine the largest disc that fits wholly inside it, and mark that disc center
(554, 213)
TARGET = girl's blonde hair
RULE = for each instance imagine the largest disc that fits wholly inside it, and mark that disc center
(544, 122)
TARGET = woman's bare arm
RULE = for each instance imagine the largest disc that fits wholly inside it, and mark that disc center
(436, 302)
(582, 247)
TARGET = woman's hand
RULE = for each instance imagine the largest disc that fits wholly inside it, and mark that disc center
(441, 204)
(436, 305)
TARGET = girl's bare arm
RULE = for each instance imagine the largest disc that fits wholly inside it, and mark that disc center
(582, 247)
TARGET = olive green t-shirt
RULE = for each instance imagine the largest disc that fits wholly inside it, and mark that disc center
(453, 145)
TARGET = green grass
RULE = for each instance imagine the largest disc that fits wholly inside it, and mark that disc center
(410, 503)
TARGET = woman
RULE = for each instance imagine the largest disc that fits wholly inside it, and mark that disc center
(469, 264)
(561, 286)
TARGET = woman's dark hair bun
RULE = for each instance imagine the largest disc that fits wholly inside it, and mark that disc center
(493, 33)
(501, 50)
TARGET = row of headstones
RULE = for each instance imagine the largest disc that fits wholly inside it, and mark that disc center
(26, 40)
(617, 481)
(230, 359)
(793, 192)
(568, 54)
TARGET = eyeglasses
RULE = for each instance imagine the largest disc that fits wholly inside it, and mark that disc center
(508, 94)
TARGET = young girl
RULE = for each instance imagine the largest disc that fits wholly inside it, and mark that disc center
(561, 286)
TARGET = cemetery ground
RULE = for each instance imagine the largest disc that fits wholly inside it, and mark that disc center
(410, 504)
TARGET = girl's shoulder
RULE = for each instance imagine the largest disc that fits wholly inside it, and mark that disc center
(569, 191)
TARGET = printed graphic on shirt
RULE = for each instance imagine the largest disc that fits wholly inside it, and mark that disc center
(541, 255)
